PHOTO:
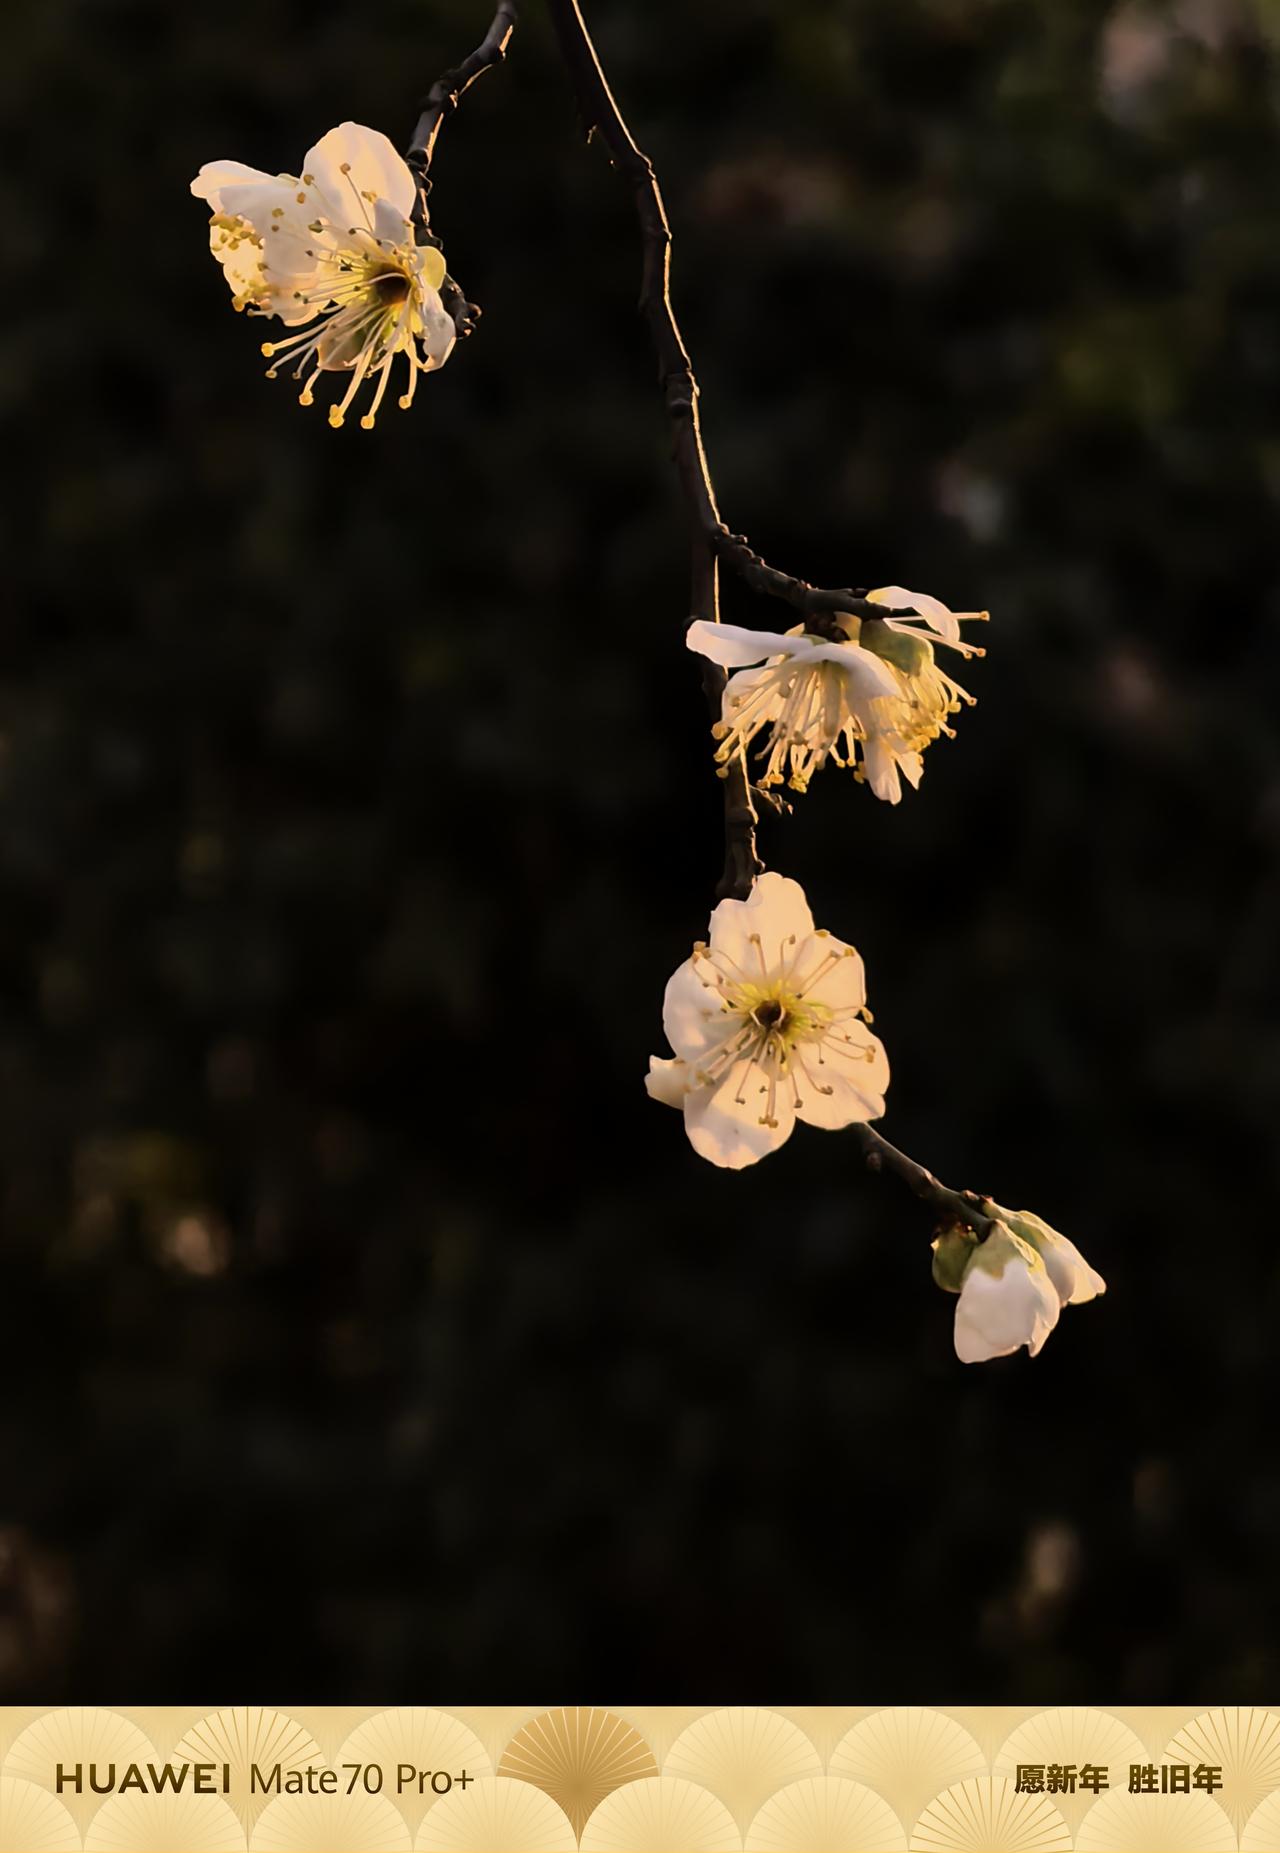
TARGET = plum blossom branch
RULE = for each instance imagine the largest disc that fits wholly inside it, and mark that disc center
(713, 542)
(440, 101)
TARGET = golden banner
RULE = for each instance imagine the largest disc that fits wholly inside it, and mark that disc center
(639, 1779)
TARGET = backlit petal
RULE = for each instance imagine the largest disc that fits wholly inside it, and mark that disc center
(724, 1123)
(764, 930)
(733, 646)
(374, 166)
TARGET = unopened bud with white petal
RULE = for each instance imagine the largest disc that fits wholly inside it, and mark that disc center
(1007, 1300)
(1075, 1280)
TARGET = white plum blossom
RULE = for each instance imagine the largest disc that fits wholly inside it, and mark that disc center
(1015, 1284)
(768, 1024)
(333, 248)
(813, 692)
(870, 697)
(1073, 1278)
(1007, 1300)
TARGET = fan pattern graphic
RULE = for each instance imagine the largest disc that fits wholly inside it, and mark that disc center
(81, 1736)
(1140, 1823)
(828, 1812)
(662, 1815)
(744, 1755)
(32, 1820)
(1246, 1744)
(154, 1823)
(908, 1755)
(1076, 1735)
(635, 1779)
(504, 1813)
(414, 1737)
(240, 1738)
(577, 1757)
(987, 1815)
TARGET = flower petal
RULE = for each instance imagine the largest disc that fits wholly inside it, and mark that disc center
(667, 1081)
(392, 227)
(999, 1312)
(1073, 1278)
(882, 770)
(841, 986)
(856, 1087)
(286, 247)
(733, 646)
(374, 166)
(776, 914)
(724, 1123)
(939, 616)
(870, 674)
(973, 1345)
(264, 201)
(439, 331)
(693, 1015)
(240, 254)
(215, 175)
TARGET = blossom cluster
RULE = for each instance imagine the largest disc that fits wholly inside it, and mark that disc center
(767, 1019)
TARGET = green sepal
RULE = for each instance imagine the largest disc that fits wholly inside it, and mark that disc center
(952, 1252)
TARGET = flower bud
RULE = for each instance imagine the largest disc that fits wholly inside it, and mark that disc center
(1006, 1300)
(1073, 1279)
(953, 1248)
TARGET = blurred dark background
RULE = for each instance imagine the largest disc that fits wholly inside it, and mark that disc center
(367, 1333)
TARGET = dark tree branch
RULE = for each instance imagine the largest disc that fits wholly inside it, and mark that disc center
(811, 599)
(712, 541)
(741, 862)
(443, 96)
(600, 112)
(951, 1205)
(440, 101)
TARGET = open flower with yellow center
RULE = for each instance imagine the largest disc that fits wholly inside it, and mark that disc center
(768, 1024)
(333, 248)
(870, 696)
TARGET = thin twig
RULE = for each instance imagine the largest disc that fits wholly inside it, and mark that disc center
(599, 111)
(712, 541)
(440, 101)
(952, 1205)
(741, 862)
(442, 98)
